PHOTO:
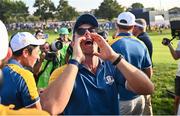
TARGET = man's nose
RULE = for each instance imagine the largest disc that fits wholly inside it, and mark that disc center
(87, 34)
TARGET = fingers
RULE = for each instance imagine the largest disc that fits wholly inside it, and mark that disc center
(42, 56)
(97, 54)
(77, 42)
(96, 37)
(99, 39)
(77, 51)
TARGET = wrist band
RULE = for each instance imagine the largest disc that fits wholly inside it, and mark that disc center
(73, 61)
(117, 60)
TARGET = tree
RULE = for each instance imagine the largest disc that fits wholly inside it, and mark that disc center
(65, 12)
(10, 10)
(150, 9)
(137, 5)
(32, 18)
(45, 9)
(109, 9)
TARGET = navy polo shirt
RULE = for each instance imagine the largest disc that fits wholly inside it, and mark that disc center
(136, 54)
(19, 86)
(94, 93)
(147, 41)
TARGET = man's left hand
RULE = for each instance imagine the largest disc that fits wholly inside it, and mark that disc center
(106, 52)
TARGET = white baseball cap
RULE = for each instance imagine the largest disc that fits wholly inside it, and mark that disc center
(23, 39)
(141, 23)
(3, 40)
(126, 19)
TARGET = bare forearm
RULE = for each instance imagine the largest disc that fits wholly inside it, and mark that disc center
(37, 68)
(140, 83)
(55, 98)
(137, 80)
(173, 52)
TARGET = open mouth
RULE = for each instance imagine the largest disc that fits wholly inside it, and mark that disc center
(89, 42)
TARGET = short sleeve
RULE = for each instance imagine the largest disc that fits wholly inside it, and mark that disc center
(56, 73)
(146, 60)
(28, 89)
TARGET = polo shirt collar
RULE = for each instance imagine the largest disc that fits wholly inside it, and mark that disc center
(14, 61)
(142, 34)
(124, 34)
(81, 66)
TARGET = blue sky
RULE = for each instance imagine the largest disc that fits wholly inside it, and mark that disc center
(86, 5)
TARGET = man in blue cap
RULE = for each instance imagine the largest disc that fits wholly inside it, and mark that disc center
(88, 84)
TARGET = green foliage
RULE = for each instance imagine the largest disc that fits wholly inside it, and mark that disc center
(150, 9)
(137, 5)
(45, 9)
(12, 11)
(109, 9)
(32, 18)
(65, 12)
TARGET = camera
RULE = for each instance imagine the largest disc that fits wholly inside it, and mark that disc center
(175, 28)
(50, 55)
(175, 32)
(166, 41)
(70, 50)
(54, 47)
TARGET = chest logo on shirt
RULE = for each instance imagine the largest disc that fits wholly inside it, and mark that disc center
(109, 80)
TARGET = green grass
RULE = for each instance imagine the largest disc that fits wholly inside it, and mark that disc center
(164, 72)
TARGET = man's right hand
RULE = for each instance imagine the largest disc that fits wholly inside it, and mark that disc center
(42, 56)
(77, 51)
(166, 41)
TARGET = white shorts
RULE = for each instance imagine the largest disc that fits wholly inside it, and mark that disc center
(132, 107)
(178, 113)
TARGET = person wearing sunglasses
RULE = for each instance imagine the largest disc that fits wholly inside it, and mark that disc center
(88, 84)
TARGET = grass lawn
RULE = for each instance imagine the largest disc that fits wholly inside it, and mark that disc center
(164, 72)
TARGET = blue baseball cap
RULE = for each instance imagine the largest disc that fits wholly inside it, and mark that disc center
(85, 19)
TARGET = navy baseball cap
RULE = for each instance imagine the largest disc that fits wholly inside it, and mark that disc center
(85, 19)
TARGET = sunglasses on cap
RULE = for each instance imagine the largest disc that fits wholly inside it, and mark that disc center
(82, 31)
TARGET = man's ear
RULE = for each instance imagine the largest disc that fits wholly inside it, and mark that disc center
(25, 53)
